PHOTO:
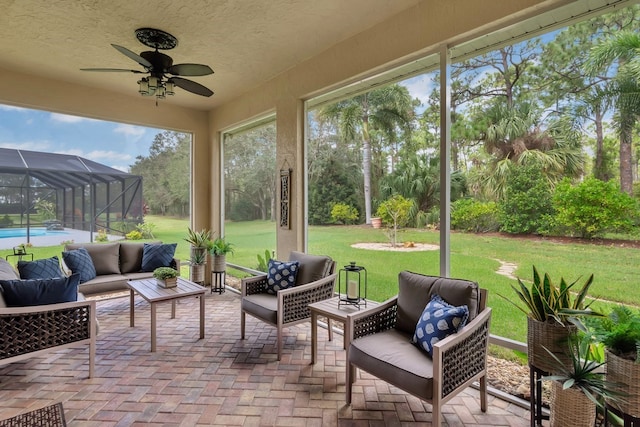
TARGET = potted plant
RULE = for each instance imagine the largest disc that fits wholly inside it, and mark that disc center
(199, 241)
(166, 277)
(578, 388)
(619, 332)
(219, 248)
(197, 264)
(552, 315)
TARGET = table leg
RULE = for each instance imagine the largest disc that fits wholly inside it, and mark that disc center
(153, 327)
(173, 309)
(131, 314)
(314, 336)
(202, 316)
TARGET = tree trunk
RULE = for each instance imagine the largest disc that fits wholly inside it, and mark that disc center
(626, 171)
(598, 171)
(366, 169)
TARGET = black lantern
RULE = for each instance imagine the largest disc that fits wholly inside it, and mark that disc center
(352, 285)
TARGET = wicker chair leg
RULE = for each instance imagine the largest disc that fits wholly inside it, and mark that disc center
(483, 393)
(279, 341)
(242, 320)
(348, 382)
(436, 416)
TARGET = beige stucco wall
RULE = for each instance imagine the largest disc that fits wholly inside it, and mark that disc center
(416, 32)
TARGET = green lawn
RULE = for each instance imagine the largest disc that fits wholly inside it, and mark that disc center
(476, 257)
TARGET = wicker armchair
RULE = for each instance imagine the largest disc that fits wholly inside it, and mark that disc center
(32, 331)
(315, 282)
(380, 342)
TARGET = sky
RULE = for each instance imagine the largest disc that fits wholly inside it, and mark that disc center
(113, 144)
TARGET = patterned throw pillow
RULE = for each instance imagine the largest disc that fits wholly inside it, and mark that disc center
(79, 261)
(157, 255)
(281, 275)
(438, 320)
(23, 293)
(40, 268)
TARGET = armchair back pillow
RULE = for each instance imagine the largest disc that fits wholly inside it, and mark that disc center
(30, 292)
(40, 269)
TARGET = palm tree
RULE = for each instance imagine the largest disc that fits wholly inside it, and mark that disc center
(515, 137)
(618, 56)
(386, 109)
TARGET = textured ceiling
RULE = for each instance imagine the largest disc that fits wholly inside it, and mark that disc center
(246, 42)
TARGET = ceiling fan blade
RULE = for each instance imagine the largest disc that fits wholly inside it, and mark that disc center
(190, 70)
(112, 70)
(139, 59)
(191, 86)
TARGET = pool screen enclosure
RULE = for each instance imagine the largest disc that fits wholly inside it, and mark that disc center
(60, 190)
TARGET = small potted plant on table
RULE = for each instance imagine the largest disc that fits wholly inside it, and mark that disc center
(166, 277)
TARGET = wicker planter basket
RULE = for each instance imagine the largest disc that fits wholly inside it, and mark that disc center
(197, 273)
(626, 373)
(219, 263)
(571, 408)
(552, 336)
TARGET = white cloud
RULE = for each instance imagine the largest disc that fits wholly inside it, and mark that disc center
(12, 108)
(420, 87)
(130, 131)
(64, 118)
(28, 145)
(120, 168)
(100, 156)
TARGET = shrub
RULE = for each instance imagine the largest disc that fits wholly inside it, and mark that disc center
(146, 228)
(6, 221)
(134, 235)
(527, 203)
(474, 216)
(344, 214)
(593, 207)
(102, 236)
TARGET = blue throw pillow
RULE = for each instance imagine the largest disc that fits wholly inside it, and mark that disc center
(157, 255)
(23, 293)
(281, 275)
(40, 268)
(438, 320)
(79, 261)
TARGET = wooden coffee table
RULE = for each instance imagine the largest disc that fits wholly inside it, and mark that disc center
(154, 294)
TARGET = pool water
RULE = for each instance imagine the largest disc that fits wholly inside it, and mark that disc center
(22, 232)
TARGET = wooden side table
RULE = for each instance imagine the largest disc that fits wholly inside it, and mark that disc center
(329, 308)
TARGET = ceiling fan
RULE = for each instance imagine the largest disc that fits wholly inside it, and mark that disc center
(158, 66)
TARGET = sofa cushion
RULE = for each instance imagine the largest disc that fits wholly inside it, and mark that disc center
(105, 284)
(157, 255)
(7, 272)
(390, 355)
(312, 267)
(281, 275)
(105, 256)
(438, 320)
(30, 292)
(131, 257)
(40, 269)
(79, 261)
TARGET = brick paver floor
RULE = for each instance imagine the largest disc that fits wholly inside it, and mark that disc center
(220, 380)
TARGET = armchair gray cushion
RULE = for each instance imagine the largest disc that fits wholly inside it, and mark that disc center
(415, 292)
(312, 267)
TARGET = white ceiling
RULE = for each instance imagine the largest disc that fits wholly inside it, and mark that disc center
(246, 42)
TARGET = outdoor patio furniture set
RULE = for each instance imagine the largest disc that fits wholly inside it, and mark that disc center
(430, 340)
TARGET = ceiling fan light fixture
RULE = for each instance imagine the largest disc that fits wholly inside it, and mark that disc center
(144, 86)
(153, 83)
(169, 88)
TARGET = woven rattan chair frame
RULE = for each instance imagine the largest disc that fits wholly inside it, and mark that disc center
(36, 330)
(458, 360)
(293, 303)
